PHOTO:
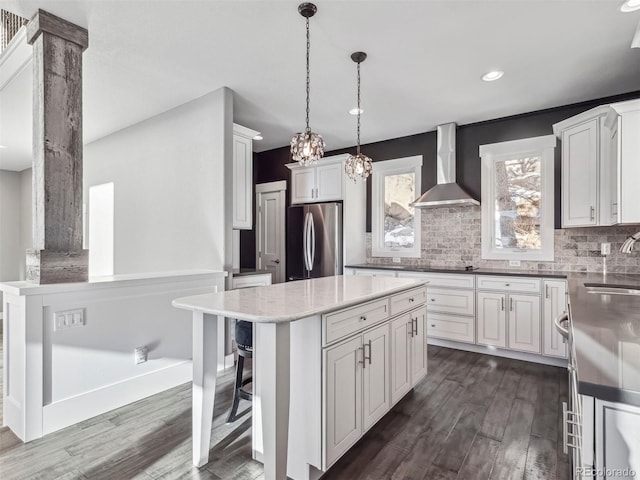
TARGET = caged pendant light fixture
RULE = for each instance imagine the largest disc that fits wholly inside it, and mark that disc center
(358, 165)
(307, 147)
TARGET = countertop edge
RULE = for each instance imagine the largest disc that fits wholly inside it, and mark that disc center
(480, 271)
(609, 394)
(190, 303)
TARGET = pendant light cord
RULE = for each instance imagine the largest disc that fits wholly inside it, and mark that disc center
(358, 144)
(308, 74)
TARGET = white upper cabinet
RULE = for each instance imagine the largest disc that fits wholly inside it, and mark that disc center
(243, 177)
(600, 167)
(322, 182)
(623, 125)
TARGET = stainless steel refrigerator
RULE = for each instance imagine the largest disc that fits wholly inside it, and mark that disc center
(314, 240)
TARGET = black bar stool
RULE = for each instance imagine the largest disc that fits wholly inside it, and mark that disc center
(244, 341)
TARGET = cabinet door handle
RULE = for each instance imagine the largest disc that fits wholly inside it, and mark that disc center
(433, 325)
(416, 320)
(546, 291)
(511, 304)
(502, 303)
(411, 300)
(411, 324)
(369, 357)
(363, 356)
(363, 318)
(593, 213)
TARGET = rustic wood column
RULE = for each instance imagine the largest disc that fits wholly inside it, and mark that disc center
(57, 255)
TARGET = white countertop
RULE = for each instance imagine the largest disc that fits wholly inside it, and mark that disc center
(26, 288)
(285, 302)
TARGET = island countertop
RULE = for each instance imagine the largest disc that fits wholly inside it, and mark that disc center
(286, 302)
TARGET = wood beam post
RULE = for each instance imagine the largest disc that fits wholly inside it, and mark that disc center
(57, 255)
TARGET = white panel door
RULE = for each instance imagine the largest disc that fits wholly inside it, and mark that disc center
(376, 387)
(524, 322)
(419, 345)
(242, 183)
(303, 185)
(343, 397)
(580, 174)
(270, 234)
(329, 182)
(555, 303)
(492, 319)
(617, 442)
(400, 357)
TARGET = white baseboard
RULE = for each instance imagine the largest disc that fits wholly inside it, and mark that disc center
(498, 352)
(72, 410)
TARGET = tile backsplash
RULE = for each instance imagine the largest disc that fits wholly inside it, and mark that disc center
(451, 237)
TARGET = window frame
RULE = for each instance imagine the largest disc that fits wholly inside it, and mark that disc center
(490, 154)
(382, 169)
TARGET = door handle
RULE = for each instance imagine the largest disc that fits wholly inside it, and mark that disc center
(546, 291)
(305, 241)
(416, 323)
(502, 303)
(369, 357)
(593, 213)
(363, 356)
(276, 261)
(411, 323)
(313, 240)
(511, 304)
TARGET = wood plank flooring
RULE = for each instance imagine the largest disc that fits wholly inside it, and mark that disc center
(473, 417)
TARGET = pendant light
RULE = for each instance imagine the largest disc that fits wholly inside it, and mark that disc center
(307, 147)
(358, 165)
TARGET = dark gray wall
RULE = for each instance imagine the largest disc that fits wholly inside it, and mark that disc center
(269, 166)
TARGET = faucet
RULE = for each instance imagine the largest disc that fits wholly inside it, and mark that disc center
(628, 244)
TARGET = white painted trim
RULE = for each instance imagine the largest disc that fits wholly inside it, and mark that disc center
(323, 161)
(72, 410)
(280, 185)
(380, 170)
(244, 131)
(589, 115)
(15, 58)
(490, 154)
(498, 352)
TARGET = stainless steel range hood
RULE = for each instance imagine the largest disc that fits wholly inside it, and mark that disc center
(447, 192)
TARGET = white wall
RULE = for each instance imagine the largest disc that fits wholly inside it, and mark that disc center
(15, 224)
(10, 225)
(168, 175)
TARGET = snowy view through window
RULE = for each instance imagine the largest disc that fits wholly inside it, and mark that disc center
(399, 192)
(517, 189)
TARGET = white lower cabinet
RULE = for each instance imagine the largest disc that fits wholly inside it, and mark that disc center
(343, 397)
(492, 319)
(408, 352)
(376, 399)
(369, 370)
(509, 320)
(554, 304)
(617, 440)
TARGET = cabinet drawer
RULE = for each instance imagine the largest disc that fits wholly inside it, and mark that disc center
(247, 281)
(454, 280)
(461, 302)
(343, 323)
(406, 300)
(510, 284)
(451, 327)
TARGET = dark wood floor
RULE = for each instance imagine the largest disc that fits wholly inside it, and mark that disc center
(473, 417)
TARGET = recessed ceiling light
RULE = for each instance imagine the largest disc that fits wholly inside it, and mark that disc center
(355, 111)
(630, 6)
(492, 75)
(258, 137)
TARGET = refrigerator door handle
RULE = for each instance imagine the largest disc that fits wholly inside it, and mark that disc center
(313, 241)
(305, 240)
(307, 233)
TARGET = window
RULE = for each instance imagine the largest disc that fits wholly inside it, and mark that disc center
(395, 224)
(517, 199)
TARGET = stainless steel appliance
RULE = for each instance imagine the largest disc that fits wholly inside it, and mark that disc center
(314, 240)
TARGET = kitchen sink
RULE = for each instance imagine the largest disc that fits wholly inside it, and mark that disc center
(604, 289)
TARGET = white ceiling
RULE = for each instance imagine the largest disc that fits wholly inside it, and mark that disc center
(424, 65)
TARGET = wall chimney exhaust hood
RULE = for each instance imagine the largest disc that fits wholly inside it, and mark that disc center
(447, 192)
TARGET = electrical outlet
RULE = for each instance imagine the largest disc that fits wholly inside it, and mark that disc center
(396, 259)
(514, 263)
(66, 319)
(605, 248)
(141, 354)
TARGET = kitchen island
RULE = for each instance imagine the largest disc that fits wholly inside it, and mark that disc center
(350, 346)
